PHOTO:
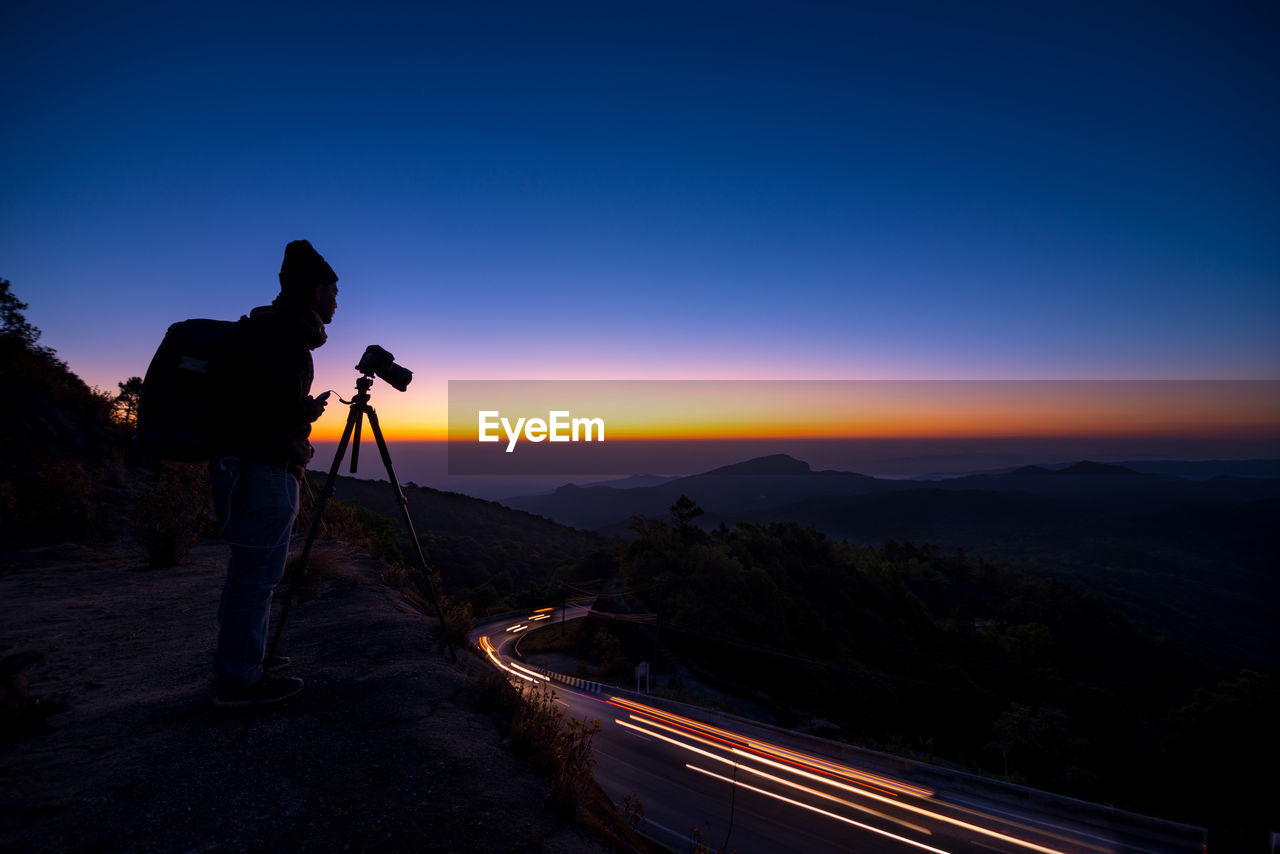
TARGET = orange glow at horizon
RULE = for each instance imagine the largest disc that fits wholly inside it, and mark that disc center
(771, 409)
(739, 410)
(412, 432)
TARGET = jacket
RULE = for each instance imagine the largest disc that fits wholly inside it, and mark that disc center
(263, 381)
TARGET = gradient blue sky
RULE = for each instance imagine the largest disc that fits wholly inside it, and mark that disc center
(657, 190)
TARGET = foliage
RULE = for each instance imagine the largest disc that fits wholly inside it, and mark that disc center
(559, 747)
(458, 621)
(683, 512)
(632, 810)
(172, 512)
(913, 650)
(379, 535)
(1216, 745)
(56, 439)
(351, 523)
(494, 558)
(1038, 743)
(15, 330)
(124, 408)
(609, 649)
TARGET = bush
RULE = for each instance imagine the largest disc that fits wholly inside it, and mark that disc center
(457, 622)
(172, 513)
(60, 504)
(559, 748)
(372, 531)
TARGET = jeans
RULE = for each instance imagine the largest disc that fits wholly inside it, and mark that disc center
(256, 504)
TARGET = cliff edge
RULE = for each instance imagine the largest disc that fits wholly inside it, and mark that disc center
(390, 747)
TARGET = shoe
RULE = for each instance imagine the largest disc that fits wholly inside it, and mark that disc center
(270, 664)
(264, 692)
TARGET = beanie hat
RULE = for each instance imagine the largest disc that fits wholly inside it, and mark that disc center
(304, 269)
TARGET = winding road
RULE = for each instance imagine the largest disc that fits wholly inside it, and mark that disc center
(731, 785)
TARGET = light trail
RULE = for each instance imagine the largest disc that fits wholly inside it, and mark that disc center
(819, 811)
(715, 742)
(806, 761)
(800, 759)
(814, 768)
(986, 831)
(759, 751)
(491, 652)
(726, 761)
(520, 669)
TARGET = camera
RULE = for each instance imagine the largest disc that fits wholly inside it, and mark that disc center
(378, 361)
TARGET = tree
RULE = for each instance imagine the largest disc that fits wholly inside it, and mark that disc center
(13, 324)
(684, 511)
(1040, 745)
(125, 406)
(1217, 744)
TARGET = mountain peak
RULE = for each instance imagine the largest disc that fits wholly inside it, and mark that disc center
(774, 464)
(1029, 471)
(1091, 468)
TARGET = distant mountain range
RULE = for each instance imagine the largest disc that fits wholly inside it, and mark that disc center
(1189, 470)
(1186, 548)
(756, 484)
(776, 481)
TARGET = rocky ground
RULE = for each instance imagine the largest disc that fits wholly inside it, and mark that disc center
(390, 747)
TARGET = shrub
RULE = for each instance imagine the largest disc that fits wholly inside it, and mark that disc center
(372, 531)
(558, 747)
(172, 513)
(61, 503)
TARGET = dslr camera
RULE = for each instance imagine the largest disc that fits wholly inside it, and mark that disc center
(378, 361)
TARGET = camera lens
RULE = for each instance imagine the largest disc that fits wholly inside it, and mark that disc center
(398, 377)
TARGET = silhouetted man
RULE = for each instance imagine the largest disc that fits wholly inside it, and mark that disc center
(261, 451)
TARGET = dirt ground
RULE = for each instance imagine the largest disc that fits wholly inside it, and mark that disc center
(390, 747)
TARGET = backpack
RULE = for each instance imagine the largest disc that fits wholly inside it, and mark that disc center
(175, 412)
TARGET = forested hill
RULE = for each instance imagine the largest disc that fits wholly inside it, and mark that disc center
(760, 485)
(922, 651)
(1189, 558)
(486, 554)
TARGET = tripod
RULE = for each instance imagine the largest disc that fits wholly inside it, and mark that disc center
(359, 408)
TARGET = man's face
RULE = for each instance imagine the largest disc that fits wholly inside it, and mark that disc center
(326, 302)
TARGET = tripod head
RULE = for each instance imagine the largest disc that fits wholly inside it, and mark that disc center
(363, 384)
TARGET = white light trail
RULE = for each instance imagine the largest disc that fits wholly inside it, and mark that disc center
(797, 758)
(492, 653)
(819, 811)
(986, 831)
(726, 761)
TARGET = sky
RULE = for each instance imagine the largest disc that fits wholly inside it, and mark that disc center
(627, 190)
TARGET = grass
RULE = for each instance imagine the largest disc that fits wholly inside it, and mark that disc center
(560, 748)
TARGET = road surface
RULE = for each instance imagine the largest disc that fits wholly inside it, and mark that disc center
(732, 786)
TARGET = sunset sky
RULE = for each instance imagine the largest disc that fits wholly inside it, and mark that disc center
(617, 190)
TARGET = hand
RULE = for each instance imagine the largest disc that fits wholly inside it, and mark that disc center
(316, 405)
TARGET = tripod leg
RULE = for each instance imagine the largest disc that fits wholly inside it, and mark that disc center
(317, 515)
(355, 449)
(408, 523)
(353, 420)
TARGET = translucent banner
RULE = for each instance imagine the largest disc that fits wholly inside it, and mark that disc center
(594, 427)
